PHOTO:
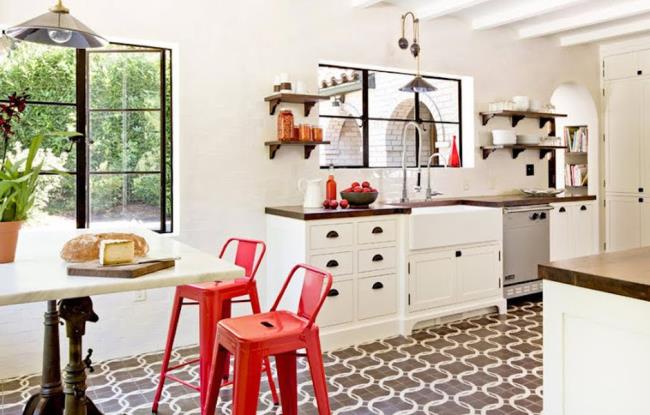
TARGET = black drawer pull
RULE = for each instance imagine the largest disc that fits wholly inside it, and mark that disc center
(583, 207)
(377, 258)
(332, 263)
(377, 286)
(640, 200)
(639, 72)
(459, 253)
(332, 234)
(333, 292)
(377, 230)
(641, 189)
(562, 210)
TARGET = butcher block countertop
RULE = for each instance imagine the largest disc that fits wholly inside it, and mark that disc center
(625, 273)
(298, 212)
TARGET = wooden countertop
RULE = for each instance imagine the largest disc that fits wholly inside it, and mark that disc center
(625, 273)
(298, 212)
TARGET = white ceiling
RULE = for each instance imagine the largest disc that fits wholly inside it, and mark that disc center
(573, 22)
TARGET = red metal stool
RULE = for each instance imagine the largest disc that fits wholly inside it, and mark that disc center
(214, 300)
(279, 333)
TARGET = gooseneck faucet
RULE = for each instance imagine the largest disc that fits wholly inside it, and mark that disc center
(430, 193)
(418, 137)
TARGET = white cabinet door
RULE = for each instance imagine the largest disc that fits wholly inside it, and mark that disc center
(645, 221)
(561, 237)
(432, 280)
(643, 63)
(584, 220)
(623, 105)
(621, 66)
(623, 222)
(479, 272)
(644, 181)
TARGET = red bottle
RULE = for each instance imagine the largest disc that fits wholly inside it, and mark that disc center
(454, 158)
(330, 186)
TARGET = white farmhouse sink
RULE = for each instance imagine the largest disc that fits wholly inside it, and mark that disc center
(432, 227)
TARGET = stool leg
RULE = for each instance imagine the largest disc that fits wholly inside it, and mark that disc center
(226, 312)
(209, 313)
(315, 357)
(219, 364)
(285, 364)
(255, 305)
(246, 387)
(171, 334)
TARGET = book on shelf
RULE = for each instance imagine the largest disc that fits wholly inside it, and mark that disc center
(576, 139)
(576, 175)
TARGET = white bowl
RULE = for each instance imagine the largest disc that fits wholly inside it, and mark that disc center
(528, 138)
(522, 103)
(503, 137)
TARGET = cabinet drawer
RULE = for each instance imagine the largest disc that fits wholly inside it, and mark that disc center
(338, 263)
(377, 259)
(377, 231)
(377, 296)
(331, 236)
(339, 305)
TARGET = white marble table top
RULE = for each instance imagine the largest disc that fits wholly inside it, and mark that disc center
(39, 274)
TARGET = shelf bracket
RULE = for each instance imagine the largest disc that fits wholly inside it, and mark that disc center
(516, 152)
(273, 104)
(273, 148)
(543, 121)
(308, 150)
(308, 107)
(514, 120)
(543, 152)
(486, 118)
(487, 151)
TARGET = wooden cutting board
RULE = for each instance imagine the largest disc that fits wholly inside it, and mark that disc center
(94, 269)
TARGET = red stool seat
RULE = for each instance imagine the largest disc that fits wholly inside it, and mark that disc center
(279, 333)
(215, 303)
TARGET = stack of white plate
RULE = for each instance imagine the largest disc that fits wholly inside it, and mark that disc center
(503, 137)
(533, 139)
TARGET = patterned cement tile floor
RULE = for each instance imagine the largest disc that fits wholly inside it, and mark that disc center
(483, 365)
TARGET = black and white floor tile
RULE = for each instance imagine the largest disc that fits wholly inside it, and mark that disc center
(490, 364)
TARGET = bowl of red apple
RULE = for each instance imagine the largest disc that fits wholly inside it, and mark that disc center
(360, 195)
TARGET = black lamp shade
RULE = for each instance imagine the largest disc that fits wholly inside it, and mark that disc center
(37, 30)
(419, 85)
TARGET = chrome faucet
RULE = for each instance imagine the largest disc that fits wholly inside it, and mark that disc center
(418, 137)
(430, 193)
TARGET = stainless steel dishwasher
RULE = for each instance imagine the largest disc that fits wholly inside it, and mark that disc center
(525, 245)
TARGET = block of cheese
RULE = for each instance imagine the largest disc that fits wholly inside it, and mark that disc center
(116, 251)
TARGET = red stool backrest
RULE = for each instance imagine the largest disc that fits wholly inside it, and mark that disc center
(315, 287)
(245, 255)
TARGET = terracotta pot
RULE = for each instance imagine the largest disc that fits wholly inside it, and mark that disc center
(8, 240)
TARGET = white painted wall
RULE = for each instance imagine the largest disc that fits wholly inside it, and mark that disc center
(228, 54)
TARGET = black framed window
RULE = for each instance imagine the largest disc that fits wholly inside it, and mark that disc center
(120, 98)
(366, 115)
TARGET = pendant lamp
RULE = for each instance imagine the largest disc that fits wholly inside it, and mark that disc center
(417, 84)
(57, 28)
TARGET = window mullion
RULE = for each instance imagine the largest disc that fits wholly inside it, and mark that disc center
(364, 117)
(83, 197)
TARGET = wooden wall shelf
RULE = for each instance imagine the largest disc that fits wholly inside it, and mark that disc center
(518, 148)
(309, 146)
(516, 116)
(307, 100)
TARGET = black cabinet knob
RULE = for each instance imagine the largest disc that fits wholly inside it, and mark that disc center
(377, 286)
(534, 216)
(639, 72)
(640, 200)
(333, 292)
(332, 263)
(640, 189)
(377, 258)
(542, 215)
(332, 234)
(459, 253)
(377, 230)
(583, 207)
(562, 210)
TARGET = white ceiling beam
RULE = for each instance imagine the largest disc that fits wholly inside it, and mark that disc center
(607, 32)
(440, 8)
(604, 14)
(522, 11)
(362, 4)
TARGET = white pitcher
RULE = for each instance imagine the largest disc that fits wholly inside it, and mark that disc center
(312, 190)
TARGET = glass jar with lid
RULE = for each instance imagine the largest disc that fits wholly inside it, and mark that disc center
(285, 125)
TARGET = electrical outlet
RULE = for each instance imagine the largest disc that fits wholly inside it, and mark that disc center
(530, 169)
(140, 296)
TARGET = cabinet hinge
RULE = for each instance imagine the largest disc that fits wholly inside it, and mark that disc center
(603, 91)
(604, 183)
(604, 246)
(499, 282)
(603, 73)
(499, 257)
(604, 203)
(409, 268)
(603, 138)
(409, 299)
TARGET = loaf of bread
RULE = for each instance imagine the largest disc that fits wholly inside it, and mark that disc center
(85, 248)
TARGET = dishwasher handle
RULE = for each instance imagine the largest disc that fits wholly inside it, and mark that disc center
(527, 209)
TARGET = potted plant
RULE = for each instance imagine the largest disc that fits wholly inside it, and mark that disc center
(18, 178)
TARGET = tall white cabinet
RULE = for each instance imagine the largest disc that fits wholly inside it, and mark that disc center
(627, 150)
